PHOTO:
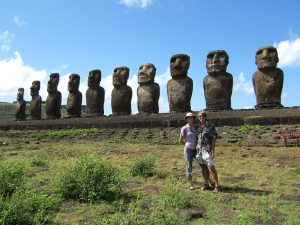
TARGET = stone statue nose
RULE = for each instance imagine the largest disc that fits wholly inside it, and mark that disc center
(265, 54)
(178, 62)
(215, 58)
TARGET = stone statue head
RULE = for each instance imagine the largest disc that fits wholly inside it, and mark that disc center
(53, 82)
(179, 65)
(147, 73)
(217, 61)
(74, 81)
(20, 94)
(35, 88)
(266, 57)
(120, 76)
(94, 79)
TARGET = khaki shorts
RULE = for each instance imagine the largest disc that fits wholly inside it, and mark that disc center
(203, 157)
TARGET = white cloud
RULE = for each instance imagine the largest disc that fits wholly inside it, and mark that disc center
(5, 38)
(136, 3)
(162, 79)
(15, 74)
(241, 84)
(289, 53)
(19, 22)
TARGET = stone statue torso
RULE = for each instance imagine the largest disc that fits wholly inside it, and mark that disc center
(180, 94)
(53, 104)
(95, 100)
(20, 110)
(268, 88)
(217, 91)
(148, 96)
(74, 102)
(35, 107)
(121, 100)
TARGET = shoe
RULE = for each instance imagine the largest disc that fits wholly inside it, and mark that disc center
(205, 187)
(217, 189)
(191, 187)
(212, 184)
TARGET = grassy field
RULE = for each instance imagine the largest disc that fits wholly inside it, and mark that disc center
(259, 185)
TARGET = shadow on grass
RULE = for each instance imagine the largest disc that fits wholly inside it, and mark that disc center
(244, 190)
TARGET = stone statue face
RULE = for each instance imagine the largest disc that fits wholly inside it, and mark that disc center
(73, 84)
(35, 88)
(146, 73)
(94, 79)
(216, 61)
(20, 94)
(179, 65)
(120, 76)
(53, 82)
(266, 57)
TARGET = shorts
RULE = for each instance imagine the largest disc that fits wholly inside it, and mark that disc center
(203, 157)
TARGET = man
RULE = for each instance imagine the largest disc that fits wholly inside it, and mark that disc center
(207, 136)
(188, 138)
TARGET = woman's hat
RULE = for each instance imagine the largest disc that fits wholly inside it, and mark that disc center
(189, 114)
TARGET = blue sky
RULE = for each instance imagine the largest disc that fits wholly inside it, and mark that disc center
(67, 36)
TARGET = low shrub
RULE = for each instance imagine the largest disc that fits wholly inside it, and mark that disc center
(11, 178)
(175, 197)
(39, 161)
(28, 208)
(144, 167)
(89, 180)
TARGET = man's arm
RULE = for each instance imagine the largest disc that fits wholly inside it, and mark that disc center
(181, 140)
(213, 149)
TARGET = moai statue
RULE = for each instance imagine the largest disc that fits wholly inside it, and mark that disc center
(21, 105)
(121, 94)
(148, 91)
(217, 83)
(267, 80)
(180, 87)
(74, 100)
(36, 101)
(53, 102)
(95, 94)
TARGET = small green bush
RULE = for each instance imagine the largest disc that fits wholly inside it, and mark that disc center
(11, 178)
(175, 197)
(89, 180)
(144, 167)
(28, 208)
(39, 161)
(163, 216)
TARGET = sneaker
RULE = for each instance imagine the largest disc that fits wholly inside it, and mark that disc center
(217, 189)
(205, 187)
(191, 187)
(212, 184)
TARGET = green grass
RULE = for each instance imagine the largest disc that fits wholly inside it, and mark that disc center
(259, 185)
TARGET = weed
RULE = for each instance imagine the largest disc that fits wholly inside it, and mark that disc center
(143, 166)
(90, 180)
(246, 128)
(175, 197)
(11, 178)
(28, 208)
(39, 161)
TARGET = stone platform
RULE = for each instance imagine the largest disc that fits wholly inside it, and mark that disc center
(283, 116)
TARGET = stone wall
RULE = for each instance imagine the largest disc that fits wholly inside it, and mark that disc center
(281, 116)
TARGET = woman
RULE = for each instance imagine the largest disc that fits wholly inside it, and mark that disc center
(207, 136)
(188, 137)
